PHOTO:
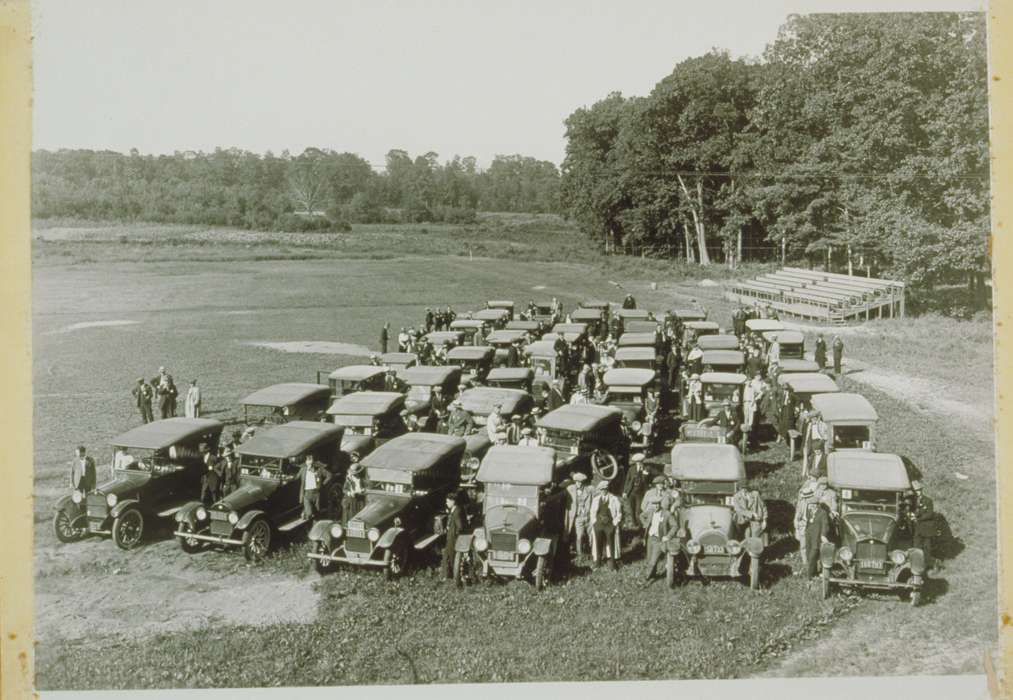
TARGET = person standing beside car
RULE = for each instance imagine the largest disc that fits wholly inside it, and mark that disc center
(819, 529)
(838, 354)
(925, 527)
(820, 353)
(311, 477)
(578, 512)
(607, 511)
(82, 471)
(142, 398)
(457, 523)
(662, 525)
(750, 512)
(806, 501)
(191, 407)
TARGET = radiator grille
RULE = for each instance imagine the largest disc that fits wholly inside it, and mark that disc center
(358, 545)
(503, 541)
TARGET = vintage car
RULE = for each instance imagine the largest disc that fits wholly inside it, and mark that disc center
(506, 344)
(534, 329)
(445, 339)
(475, 361)
(851, 419)
(720, 341)
(369, 419)
(468, 328)
(698, 329)
(796, 366)
(595, 319)
(541, 356)
(791, 344)
(713, 546)
(493, 318)
(804, 385)
(502, 304)
(399, 361)
(156, 468)
(523, 511)
(637, 357)
(280, 403)
(632, 325)
(723, 361)
(352, 378)
(638, 340)
(479, 402)
(421, 379)
(599, 304)
(268, 498)
(587, 438)
(624, 316)
(716, 388)
(407, 482)
(573, 333)
(545, 314)
(682, 316)
(627, 390)
(511, 378)
(875, 549)
(756, 327)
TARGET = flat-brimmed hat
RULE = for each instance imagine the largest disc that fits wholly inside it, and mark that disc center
(637, 457)
(578, 476)
(602, 485)
(525, 431)
(356, 468)
(916, 485)
(694, 376)
(658, 480)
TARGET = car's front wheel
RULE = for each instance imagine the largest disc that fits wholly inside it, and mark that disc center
(395, 562)
(188, 544)
(128, 528)
(463, 569)
(65, 529)
(670, 571)
(322, 565)
(257, 540)
(825, 583)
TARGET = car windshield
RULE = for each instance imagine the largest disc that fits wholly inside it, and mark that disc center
(706, 499)
(560, 440)
(358, 430)
(850, 436)
(718, 392)
(266, 414)
(525, 496)
(418, 392)
(138, 459)
(390, 487)
(865, 499)
(268, 467)
(624, 397)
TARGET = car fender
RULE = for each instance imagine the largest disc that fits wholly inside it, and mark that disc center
(463, 543)
(542, 546)
(187, 513)
(828, 551)
(388, 537)
(117, 510)
(753, 545)
(73, 510)
(673, 546)
(916, 558)
(248, 517)
(321, 531)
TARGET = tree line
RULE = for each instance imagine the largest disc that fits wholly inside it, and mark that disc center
(859, 141)
(318, 189)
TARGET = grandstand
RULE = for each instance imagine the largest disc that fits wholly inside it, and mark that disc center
(822, 296)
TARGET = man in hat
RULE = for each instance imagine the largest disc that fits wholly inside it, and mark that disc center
(607, 514)
(460, 422)
(562, 350)
(353, 492)
(750, 511)
(457, 523)
(815, 444)
(311, 480)
(838, 347)
(694, 392)
(166, 390)
(213, 478)
(728, 419)
(925, 524)
(514, 429)
(191, 407)
(402, 340)
(629, 302)
(495, 426)
(672, 365)
(661, 526)
(230, 471)
(820, 352)
(554, 397)
(578, 511)
(635, 484)
(694, 360)
(390, 381)
(429, 319)
(527, 439)
(384, 337)
(819, 529)
(806, 501)
(752, 395)
(657, 498)
(143, 393)
(754, 363)
(82, 471)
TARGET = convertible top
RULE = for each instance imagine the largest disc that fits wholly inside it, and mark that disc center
(540, 348)
(513, 464)
(638, 340)
(444, 337)
(635, 353)
(469, 323)
(508, 374)
(471, 352)
(367, 403)
(569, 329)
(633, 313)
(626, 376)
(415, 452)
(723, 357)
(702, 325)
(579, 417)
(845, 408)
(497, 314)
(291, 439)
(357, 373)
(481, 399)
(585, 314)
(811, 383)
(594, 304)
(873, 471)
(689, 314)
(791, 366)
(500, 304)
(287, 394)
(521, 325)
(160, 434)
(722, 378)
(429, 375)
(505, 336)
(706, 462)
(398, 358)
(785, 337)
(722, 341)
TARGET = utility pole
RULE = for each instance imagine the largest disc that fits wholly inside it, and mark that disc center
(784, 249)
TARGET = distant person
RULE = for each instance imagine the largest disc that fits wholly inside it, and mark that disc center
(460, 422)
(166, 390)
(838, 354)
(82, 471)
(629, 302)
(353, 493)
(750, 512)
(495, 426)
(527, 439)
(514, 430)
(578, 512)
(457, 523)
(820, 353)
(384, 337)
(213, 479)
(926, 524)
(806, 502)
(819, 530)
(429, 319)
(662, 526)
(311, 478)
(231, 472)
(192, 405)
(555, 397)
(143, 394)
(402, 340)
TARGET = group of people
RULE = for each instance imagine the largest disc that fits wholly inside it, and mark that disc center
(163, 388)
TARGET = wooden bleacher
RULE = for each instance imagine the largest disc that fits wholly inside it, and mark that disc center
(827, 297)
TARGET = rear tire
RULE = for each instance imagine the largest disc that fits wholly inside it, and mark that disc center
(64, 528)
(128, 529)
(257, 540)
(188, 545)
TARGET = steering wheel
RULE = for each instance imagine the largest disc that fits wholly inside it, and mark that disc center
(604, 464)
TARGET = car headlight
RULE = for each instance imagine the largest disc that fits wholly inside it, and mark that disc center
(693, 547)
(845, 554)
(898, 557)
(523, 546)
(373, 534)
(201, 514)
(77, 496)
(481, 544)
(734, 547)
(472, 463)
(337, 531)
(233, 517)
(111, 500)
(635, 425)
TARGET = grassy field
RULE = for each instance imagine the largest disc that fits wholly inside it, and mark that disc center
(196, 300)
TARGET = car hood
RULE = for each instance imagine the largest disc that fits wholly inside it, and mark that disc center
(251, 490)
(124, 482)
(869, 526)
(701, 519)
(510, 518)
(380, 510)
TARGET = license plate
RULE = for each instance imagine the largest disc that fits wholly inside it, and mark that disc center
(870, 563)
(713, 549)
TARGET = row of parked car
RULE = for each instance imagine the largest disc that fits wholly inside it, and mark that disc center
(517, 493)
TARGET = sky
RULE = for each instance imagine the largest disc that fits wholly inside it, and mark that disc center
(457, 77)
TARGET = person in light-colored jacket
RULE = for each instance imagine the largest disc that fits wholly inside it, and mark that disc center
(606, 516)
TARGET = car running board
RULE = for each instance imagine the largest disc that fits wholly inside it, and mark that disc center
(170, 512)
(291, 525)
(423, 543)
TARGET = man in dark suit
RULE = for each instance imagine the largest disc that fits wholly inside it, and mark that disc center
(662, 527)
(457, 523)
(143, 393)
(311, 480)
(214, 476)
(82, 471)
(554, 397)
(925, 526)
(384, 337)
